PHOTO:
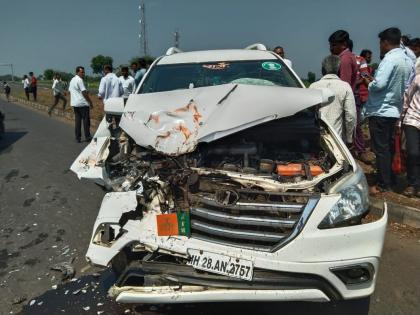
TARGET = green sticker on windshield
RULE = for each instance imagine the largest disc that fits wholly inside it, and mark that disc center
(270, 65)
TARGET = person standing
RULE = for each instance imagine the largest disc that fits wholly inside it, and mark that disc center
(415, 46)
(339, 46)
(384, 104)
(363, 89)
(127, 82)
(7, 90)
(139, 70)
(110, 85)
(81, 103)
(26, 86)
(34, 84)
(405, 45)
(410, 120)
(341, 113)
(280, 51)
(359, 148)
(58, 92)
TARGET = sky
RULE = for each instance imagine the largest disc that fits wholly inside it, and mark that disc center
(59, 34)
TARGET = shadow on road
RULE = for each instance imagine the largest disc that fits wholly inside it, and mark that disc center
(9, 138)
(88, 295)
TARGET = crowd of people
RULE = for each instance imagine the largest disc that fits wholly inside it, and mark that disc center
(110, 86)
(388, 99)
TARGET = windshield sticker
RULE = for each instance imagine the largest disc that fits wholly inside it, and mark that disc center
(270, 65)
(217, 66)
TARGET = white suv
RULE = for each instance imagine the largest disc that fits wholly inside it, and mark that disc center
(227, 186)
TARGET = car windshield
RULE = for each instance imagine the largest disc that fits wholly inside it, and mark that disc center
(164, 78)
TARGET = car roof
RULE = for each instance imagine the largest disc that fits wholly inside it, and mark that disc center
(216, 55)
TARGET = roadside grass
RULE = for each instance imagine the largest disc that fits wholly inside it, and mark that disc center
(45, 97)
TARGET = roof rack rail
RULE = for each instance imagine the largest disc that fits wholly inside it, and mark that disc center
(173, 50)
(256, 46)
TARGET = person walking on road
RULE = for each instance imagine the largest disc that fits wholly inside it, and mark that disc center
(127, 82)
(383, 108)
(410, 119)
(7, 90)
(110, 85)
(280, 51)
(139, 70)
(81, 103)
(26, 86)
(339, 46)
(34, 84)
(58, 92)
(341, 113)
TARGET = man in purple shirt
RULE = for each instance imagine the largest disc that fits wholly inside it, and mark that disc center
(339, 45)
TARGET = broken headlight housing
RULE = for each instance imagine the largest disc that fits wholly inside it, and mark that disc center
(352, 205)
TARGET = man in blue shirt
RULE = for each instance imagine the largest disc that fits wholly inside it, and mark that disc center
(384, 104)
(139, 70)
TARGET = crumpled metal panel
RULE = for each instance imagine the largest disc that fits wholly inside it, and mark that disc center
(174, 122)
(87, 165)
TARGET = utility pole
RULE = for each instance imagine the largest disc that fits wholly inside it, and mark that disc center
(143, 34)
(176, 38)
(11, 68)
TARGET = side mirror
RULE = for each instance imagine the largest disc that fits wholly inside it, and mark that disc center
(114, 106)
(327, 96)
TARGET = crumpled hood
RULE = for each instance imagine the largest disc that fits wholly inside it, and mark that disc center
(174, 122)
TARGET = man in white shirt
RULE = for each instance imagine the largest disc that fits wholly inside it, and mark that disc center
(58, 92)
(81, 103)
(127, 82)
(110, 85)
(341, 113)
(280, 51)
(26, 86)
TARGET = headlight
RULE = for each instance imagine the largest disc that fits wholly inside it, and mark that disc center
(351, 207)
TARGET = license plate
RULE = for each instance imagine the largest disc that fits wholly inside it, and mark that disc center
(221, 264)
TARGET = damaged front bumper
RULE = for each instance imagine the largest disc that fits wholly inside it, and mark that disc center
(303, 268)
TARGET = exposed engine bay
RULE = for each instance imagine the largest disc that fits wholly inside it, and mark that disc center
(289, 154)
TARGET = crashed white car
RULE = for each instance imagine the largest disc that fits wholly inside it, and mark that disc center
(227, 186)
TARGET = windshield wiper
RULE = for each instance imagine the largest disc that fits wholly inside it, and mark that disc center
(227, 95)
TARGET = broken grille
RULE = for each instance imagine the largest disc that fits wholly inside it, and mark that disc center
(257, 220)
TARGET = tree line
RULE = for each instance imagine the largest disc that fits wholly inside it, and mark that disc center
(96, 64)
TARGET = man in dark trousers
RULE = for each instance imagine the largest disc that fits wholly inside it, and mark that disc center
(34, 84)
(384, 104)
(81, 103)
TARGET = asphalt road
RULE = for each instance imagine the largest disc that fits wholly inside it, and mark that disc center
(46, 216)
